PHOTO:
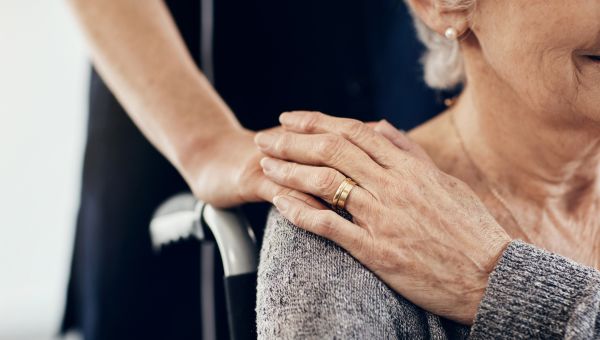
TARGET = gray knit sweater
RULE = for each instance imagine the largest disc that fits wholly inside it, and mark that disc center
(309, 288)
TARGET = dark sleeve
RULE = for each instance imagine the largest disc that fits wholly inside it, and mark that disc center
(309, 288)
(533, 294)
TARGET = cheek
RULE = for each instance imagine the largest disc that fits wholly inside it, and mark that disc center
(531, 49)
(544, 81)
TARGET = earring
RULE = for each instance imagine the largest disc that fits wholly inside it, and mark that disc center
(451, 33)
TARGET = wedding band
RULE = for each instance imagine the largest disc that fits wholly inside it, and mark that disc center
(342, 193)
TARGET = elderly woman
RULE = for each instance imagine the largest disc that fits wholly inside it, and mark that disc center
(516, 251)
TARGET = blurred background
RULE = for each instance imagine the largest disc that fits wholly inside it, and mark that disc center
(43, 81)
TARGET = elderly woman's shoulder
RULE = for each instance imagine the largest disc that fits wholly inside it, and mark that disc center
(308, 287)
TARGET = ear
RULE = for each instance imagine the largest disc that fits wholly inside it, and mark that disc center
(438, 18)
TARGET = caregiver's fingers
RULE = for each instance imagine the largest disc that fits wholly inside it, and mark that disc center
(375, 145)
(322, 182)
(323, 149)
(325, 223)
(401, 140)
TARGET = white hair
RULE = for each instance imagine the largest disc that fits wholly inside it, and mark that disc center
(442, 62)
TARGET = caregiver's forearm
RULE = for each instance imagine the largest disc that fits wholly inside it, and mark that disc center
(536, 294)
(139, 52)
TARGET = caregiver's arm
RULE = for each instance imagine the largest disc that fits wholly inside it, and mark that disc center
(139, 52)
(424, 233)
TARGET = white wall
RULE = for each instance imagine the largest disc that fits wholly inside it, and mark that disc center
(43, 80)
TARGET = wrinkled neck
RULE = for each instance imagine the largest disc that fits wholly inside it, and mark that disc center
(525, 153)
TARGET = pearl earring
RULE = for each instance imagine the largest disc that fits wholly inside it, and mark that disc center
(451, 33)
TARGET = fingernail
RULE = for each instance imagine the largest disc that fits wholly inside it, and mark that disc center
(265, 139)
(268, 164)
(288, 118)
(281, 203)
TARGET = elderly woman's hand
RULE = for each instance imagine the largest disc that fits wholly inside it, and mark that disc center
(424, 233)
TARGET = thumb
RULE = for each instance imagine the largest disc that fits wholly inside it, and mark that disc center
(401, 140)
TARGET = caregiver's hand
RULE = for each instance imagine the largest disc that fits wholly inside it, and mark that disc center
(227, 172)
(424, 233)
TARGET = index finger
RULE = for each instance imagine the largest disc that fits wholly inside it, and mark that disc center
(324, 150)
(379, 148)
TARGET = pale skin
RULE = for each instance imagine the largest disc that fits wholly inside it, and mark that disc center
(529, 123)
(139, 53)
(136, 48)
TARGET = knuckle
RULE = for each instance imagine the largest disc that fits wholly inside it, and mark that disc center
(326, 143)
(296, 217)
(325, 224)
(355, 129)
(310, 121)
(325, 180)
(288, 171)
(329, 146)
(280, 146)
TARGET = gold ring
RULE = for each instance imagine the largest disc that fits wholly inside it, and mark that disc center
(342, 193)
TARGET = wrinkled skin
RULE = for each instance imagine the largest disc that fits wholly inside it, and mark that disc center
(524, 137)
(421, 255)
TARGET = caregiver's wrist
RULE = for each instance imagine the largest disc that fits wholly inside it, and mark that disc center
(197, 150)
(205, 159)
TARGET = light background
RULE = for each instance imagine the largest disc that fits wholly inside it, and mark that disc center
(43, 81)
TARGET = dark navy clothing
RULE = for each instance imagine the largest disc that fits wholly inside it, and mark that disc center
(344, 57)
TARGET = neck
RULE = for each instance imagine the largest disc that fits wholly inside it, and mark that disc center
(536, 156)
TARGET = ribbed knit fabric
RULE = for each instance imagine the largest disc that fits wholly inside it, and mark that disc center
(309, 288)
(533, 294)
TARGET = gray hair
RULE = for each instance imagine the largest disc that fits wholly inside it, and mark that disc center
(442, 62)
